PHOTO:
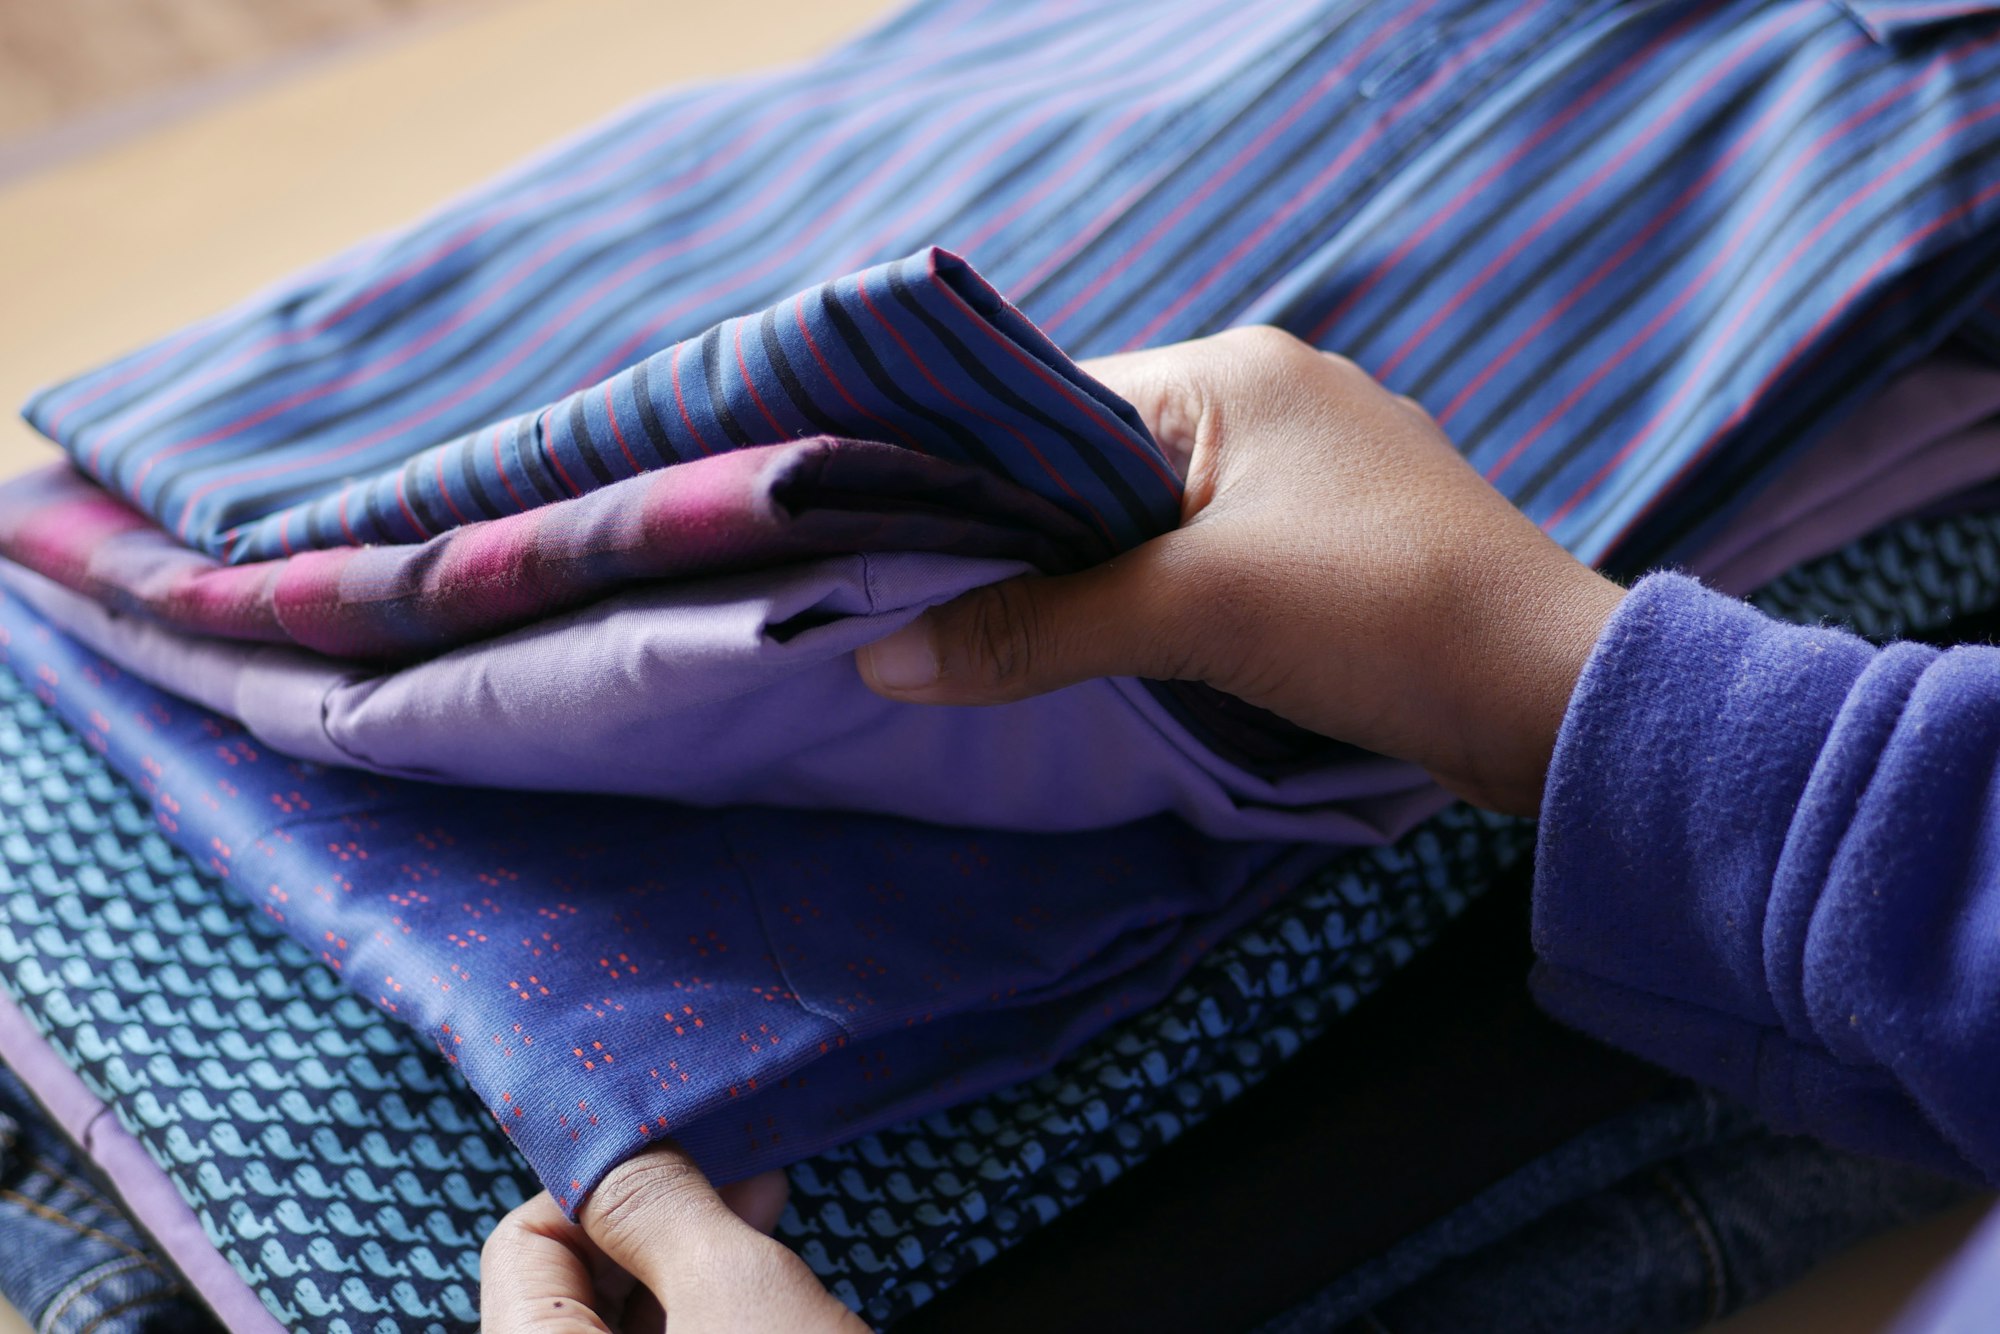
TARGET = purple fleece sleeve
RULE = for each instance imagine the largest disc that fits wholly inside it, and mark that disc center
(1770, 859)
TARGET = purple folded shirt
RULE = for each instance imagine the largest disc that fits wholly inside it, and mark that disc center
(740, 690)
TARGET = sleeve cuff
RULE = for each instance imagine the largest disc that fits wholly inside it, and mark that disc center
(1690, 738)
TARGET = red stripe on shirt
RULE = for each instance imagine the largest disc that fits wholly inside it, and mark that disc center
(501, 468)
(1794, 91)
(1658, 126)
(1723, 254)
(1130, 255)
(675, 363)
(832, 378)
(611, 411)
(1486, 178)
(743, 373)
(549, 451)
(1901, 248)
(403, 503)
(1327, 175)
(445, 491)
(1117, 433)
(861, 284)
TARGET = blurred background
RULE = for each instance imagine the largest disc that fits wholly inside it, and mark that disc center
(76, 71)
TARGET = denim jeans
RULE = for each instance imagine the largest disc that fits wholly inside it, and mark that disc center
(1659, 1220)
(71, 1262)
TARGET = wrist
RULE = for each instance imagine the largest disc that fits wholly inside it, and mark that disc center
(1514, 671)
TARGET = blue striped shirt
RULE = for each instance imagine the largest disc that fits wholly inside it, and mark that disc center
(1633, 256)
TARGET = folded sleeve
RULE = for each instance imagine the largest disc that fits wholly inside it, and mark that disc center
(1770, 859)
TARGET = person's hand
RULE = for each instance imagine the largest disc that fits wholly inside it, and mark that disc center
(654, 1248)
(1338, 563)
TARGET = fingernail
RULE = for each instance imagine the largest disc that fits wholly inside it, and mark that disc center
(905, 660)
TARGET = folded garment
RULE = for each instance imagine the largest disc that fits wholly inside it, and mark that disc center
(1657, 244)
(1924, 439)
(741, 690)
(195, 1013)
(735, 689)
(747, 509)
(605, 970)
(343, 1169)
(920, 352)
(1655, 250)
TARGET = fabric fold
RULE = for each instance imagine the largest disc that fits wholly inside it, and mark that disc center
(921, 352)
(747, 509)
(1662, 251)
(1930, 435)
(742, 690)
(607, 970)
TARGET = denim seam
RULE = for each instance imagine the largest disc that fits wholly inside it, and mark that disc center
(83, 1287)
(44, 1211)
(1704, 1235)
(129, 1305)
(76, 1181)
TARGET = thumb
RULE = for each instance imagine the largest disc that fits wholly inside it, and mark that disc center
(1031, 635)
(658, 1219)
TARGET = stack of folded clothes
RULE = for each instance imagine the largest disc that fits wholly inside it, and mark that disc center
(477, 607)
(377, 1205)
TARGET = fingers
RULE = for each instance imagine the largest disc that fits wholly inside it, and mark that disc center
(535, 1275)
(655, 1213)
(695, 1251)
(657, 1217)
(1032, 635)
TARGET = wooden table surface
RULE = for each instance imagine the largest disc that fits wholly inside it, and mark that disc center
(69, 60)
(101, 254)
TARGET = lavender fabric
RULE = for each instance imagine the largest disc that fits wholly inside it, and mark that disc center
(1928, 436)
(742, 690)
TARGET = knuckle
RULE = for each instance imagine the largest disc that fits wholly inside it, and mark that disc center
(1264, 346)
(1000, 636)
(646, 1194)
